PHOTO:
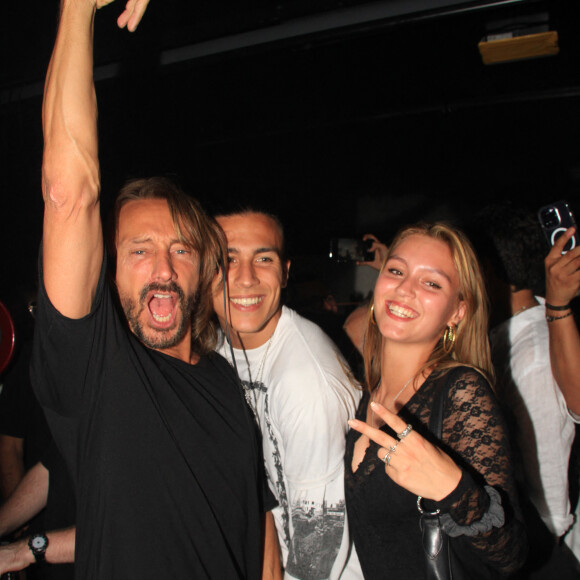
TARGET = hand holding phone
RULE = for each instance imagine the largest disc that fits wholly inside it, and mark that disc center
(377, 251)
(555, 219)
(562, 271)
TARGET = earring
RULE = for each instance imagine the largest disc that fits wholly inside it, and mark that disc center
(449, 337)
(373, 319)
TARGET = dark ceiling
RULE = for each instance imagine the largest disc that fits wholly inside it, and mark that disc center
(342, 116)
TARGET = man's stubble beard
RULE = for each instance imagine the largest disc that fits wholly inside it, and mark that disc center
(154, 338)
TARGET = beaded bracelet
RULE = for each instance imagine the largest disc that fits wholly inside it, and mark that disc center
(552, 307)
(552, 318)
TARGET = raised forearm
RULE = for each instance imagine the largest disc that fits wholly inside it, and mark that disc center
(562, 283)
(69, 109)
(72, 235)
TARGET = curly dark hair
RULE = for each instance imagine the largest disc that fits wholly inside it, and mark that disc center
(510, 238)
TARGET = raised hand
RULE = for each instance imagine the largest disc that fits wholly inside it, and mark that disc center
(131, 16)
(414, 463)
(380, 252)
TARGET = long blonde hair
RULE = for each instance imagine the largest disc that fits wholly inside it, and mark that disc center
(471, 345)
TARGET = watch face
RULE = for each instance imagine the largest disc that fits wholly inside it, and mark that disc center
(38, 542)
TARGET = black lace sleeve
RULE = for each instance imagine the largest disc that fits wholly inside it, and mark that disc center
(475, 435)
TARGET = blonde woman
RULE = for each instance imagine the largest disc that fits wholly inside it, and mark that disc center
(427, 332)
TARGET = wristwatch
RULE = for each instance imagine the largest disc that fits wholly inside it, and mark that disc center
(38, 544)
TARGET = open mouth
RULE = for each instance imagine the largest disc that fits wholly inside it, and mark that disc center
(247, 300)
(162, 307)
(400, 310)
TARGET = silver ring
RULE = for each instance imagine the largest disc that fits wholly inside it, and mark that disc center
(405, 432)
(387, 458)
(393, 448)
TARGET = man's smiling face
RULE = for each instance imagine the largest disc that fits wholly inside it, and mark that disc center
(157, 277)
(256, 276)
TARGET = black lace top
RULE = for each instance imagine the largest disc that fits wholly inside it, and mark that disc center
(383, 516)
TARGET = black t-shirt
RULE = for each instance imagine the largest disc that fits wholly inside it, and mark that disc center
(60, 511)
(163, 454)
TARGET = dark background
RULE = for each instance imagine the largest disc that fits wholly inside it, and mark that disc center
(344, 117)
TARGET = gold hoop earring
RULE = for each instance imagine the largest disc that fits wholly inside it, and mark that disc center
(449, 337)
(373, 319)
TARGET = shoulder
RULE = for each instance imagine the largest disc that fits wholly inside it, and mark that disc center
(304, 349)
(307, 339)
(466, 383)
(521, 348)
(306, 363)
(529, 327)
(292, 321)
(462, 376)
(471, 402)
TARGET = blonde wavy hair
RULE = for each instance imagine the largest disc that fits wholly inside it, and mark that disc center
(471, 345)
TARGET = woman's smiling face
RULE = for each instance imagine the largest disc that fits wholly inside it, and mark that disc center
(417, 293)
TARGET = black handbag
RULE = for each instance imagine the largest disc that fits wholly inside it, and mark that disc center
(436, 548)
(443, 556)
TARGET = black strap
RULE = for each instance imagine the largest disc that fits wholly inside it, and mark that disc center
(436, 419)
(435, 541)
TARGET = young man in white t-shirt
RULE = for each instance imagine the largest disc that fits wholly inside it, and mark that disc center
(302, 394)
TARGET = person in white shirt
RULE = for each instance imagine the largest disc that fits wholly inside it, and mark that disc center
(301, 392)
(544, 426)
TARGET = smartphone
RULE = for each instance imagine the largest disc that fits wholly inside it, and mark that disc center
(555, 219)
(350, 250)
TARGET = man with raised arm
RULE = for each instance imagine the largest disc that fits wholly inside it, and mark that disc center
(161, 447)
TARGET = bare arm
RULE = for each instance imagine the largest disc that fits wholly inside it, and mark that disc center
(11, 464)
(60, 550)
(26, 501)
(562, 284)
(355, 326)
(272, 567)
(72, 235)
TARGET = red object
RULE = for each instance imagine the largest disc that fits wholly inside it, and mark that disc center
(7, 337)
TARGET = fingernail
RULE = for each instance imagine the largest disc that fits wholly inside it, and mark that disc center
(353, 422)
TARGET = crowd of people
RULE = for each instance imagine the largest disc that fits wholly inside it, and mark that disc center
(196, 427)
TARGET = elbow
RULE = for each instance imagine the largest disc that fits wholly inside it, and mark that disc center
(70, 174)
(68, 194)
(70, 203)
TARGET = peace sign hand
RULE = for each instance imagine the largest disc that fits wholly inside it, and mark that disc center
(411, 462)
